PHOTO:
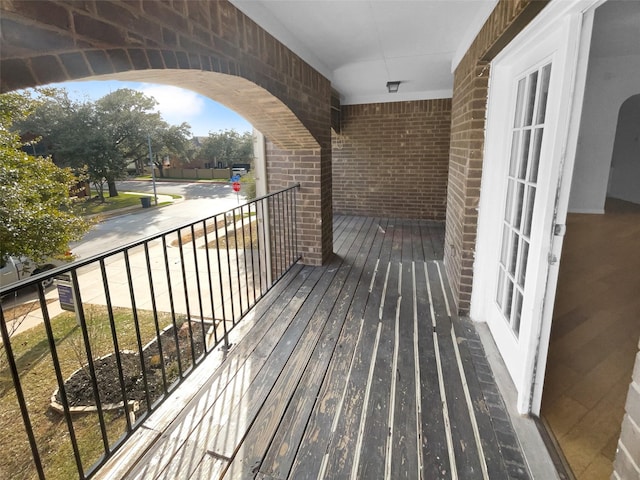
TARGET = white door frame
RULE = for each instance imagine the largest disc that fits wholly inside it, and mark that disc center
(568, 20)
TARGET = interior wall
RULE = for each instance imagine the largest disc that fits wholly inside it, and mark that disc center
(614, 70)
(624, 179)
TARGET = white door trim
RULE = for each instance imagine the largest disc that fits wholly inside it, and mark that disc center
(563, 22)
(562, 203)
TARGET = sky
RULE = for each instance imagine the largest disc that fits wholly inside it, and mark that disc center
(176, 105)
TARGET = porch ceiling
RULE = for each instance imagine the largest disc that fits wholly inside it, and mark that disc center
(361, 45)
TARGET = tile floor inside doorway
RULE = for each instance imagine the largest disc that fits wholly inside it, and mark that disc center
(594, 337)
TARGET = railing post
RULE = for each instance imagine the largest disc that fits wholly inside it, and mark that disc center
(267, 241)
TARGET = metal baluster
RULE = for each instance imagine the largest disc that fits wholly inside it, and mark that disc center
(209, 277)
(244, 251)
(276, 244)
(90, 364)
(171, 303)
(295, 220)
(60, 378)
(186, 300)
(226, 237)
(15, 375)
(136, 323)
(235, 241)
(224, 313)
(263, 226)
(114, 336)
(156, 323)
(287, 196)
(196, 263)
(252, 205)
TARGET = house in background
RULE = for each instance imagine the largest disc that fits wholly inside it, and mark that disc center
(512, 120)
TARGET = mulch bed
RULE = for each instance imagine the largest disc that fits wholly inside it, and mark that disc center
(79, 386)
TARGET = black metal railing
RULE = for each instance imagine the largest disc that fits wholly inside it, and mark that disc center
(118, 332)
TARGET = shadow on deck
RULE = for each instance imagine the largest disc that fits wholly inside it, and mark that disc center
(358, 369)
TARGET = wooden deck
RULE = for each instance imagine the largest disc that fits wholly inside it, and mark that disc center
(358, 369)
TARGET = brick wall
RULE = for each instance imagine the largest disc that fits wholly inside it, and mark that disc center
(391, 159)
(467, 140)
(627, 463)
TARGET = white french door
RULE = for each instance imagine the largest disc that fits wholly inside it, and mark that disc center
(530, 98)
(527, 134)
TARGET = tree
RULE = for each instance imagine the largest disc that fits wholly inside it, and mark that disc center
(228, 147)
(36, 214)
(169, 140)
(70, 132)
(104, 137)
(126, 119)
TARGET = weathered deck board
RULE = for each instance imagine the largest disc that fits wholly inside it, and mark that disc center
(291, 388)
(464, 445)
(405, 432)
(352, 391)
(313, 449)
(352, 370)
(283, 448)
(435, 452)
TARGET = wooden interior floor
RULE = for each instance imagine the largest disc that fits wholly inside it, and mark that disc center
(594, 337)
(357, 369)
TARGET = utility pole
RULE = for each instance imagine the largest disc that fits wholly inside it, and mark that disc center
(153, 172)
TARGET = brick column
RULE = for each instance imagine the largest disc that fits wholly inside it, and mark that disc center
(312, 169)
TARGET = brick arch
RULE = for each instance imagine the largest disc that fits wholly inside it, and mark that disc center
(265, 112)
(210, 44)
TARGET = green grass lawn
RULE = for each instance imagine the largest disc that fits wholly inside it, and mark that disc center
(37, 376)
(94, 206)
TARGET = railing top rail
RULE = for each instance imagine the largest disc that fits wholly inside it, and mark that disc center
(32, 280)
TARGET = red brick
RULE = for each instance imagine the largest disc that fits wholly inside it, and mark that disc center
(99, 62)
(19, 75)
(48, 69)
(98, 33)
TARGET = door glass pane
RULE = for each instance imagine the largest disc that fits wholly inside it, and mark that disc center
(500, 292)
(505, 251)
(517, 312)
(528, 213)
(535, 155)
(524, 158)
(508, 299)
(518, 118)
(522, 269)
(544, 93)
(508, 211)
(514, 254)
(531, 98)
(519, 202)
(515, 147)
(520, 195)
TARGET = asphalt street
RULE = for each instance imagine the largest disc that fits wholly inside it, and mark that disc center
(199, 200)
